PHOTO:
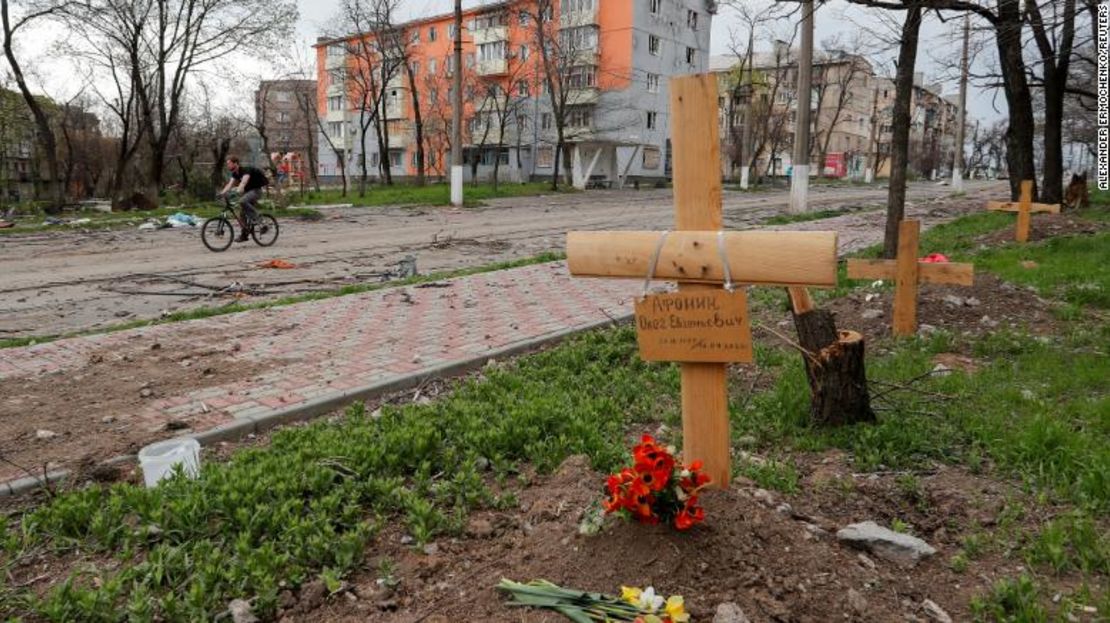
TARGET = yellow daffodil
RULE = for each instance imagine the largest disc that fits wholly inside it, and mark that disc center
(676, 609)
(631, 594)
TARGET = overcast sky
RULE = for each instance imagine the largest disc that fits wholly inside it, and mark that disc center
(835, 18)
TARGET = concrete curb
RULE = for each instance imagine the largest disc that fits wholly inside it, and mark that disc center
(235, 430)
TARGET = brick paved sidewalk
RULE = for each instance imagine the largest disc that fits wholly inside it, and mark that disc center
(343, 343)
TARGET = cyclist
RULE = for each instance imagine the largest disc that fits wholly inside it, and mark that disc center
(250, 182)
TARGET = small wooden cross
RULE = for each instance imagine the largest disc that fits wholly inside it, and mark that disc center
(1024, 209)
(692, 255)
(907, 272)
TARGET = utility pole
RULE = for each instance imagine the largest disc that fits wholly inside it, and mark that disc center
(958, 162)
(873, 140)
(799, 179)
(457, 114)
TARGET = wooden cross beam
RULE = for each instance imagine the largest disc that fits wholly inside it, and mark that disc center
(907, 272)
(1024, 209)
(692, 255)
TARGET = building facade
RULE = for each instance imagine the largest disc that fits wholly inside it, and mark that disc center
(285, 120)
(851, 108)
(596, 69)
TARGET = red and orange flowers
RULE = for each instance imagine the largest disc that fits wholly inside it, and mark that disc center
(656, 489)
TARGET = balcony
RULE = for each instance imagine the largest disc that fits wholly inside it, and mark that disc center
(493, 67)
(491, 34)
(583, 96)
(401, 137)
(335, 61)
(394, 109)
(578, 18)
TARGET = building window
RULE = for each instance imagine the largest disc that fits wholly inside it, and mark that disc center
(337, 49)
(523, 52)
(579, 116)
(432, 33)
(337, 76)
(415, 36)
(283, 117)
(432, 66)
(335, 103)
(654, 45)
(651, 158)
(653, 83)
(335, 129)
(415, 68)
(652, 120)
(581, 77)
(545, 157)
(545, 121)
(396, 158)
(570, 6)
(691, 55)
(493, 51)
(524, 18)
(522, 88)
(579, 38)
(655, 6)
(281, 96)
(692, 19)
(451, 32)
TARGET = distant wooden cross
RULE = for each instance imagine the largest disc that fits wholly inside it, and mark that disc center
(702, 325)
(907, 272)
(1024, 208)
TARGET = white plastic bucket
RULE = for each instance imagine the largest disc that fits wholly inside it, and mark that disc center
(158, 459)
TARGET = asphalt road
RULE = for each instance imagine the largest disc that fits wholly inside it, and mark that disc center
(58, 282)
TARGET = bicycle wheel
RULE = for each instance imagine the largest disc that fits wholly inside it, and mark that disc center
(217, 234)
(265, 230)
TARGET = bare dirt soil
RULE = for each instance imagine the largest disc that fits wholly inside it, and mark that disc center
(60, 282)
(774, 555)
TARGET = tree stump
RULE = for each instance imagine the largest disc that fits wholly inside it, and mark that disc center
(834, 363)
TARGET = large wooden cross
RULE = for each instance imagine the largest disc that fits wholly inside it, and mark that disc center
(907, 272)
(692, 256)
(1024, 208)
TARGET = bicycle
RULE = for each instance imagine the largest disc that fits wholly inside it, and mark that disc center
(218, 233)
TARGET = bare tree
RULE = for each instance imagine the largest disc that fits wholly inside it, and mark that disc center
(164, 42)
(45, 132)
(1055, 38)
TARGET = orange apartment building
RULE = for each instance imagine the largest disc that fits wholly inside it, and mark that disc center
(610, 64)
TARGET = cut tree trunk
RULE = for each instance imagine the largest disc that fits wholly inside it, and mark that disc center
(834, 363)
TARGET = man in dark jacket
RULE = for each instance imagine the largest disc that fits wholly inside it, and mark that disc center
(250, 183)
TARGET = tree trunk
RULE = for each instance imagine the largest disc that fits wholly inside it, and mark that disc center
(900, 133)
(835, 366)
(418, 122)
(47, 140)
(1019, 101)
(1053, 187)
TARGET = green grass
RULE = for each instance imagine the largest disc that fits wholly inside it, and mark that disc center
(432, 194)
(786, 219)
(307, 505)
(208, 312)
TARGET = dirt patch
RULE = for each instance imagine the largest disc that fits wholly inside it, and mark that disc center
(79, 417)
(1045, 227)
(987, 306)
(776, 556)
